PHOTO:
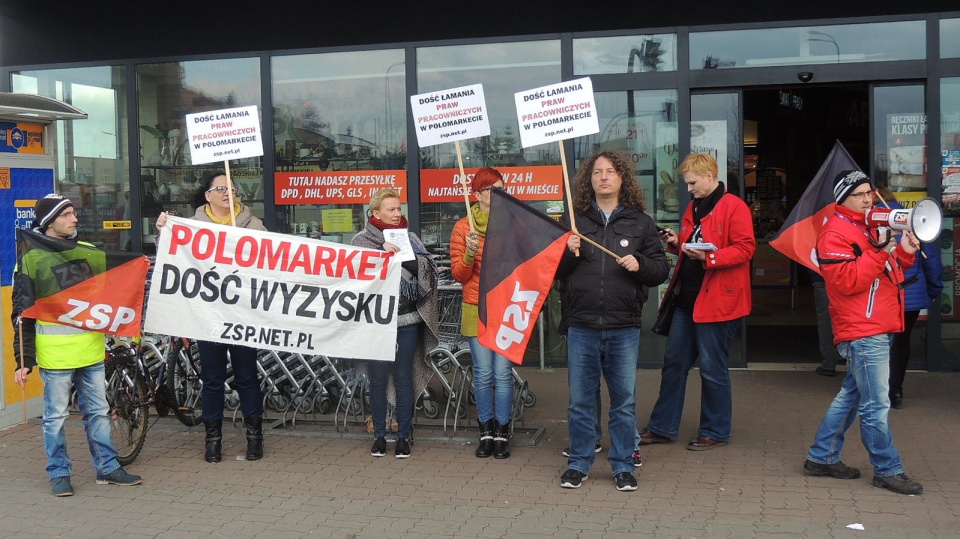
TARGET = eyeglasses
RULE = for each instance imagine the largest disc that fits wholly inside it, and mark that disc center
(861, 196)
(488, 189)
(222, 189)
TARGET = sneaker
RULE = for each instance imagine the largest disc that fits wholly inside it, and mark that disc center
(826, 372)
(637, 459)
(900, 483)
(837, 470)
(118, 477)
(379, 448)
(596, 449)
(60, 486)
(572, 478)
(626, 481)
(403, 448)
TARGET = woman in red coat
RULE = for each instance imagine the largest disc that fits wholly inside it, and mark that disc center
(713, 294)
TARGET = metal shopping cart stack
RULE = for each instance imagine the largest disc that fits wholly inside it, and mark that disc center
(446, 360)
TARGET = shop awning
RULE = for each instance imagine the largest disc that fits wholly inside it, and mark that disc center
(31, 107)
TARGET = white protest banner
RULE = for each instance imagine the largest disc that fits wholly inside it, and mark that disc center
(221, 135)
(557, 112)
(266, 290)
(450, 115)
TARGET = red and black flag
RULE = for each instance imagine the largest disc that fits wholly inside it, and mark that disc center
(797, 238)
(521, 252)
(75, 284)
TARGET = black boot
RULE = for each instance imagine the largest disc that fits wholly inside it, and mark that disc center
(501, 446)
(254, 425)
(213, 440)
(485, 449)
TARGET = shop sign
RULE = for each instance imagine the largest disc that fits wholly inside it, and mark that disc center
(22, 138)
(525, 183)
(338, 187)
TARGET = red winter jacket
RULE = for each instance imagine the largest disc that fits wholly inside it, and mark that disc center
(725, 293)
(862, 281)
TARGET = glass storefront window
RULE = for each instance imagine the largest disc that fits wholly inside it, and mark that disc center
(167, 92)
(503, 69)
(800, 45)
(950, 38)
(900, 135)
(340, 135)
(91, 155)
(625, 54)
(950, 148)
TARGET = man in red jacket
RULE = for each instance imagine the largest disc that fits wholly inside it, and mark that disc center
(863, 278)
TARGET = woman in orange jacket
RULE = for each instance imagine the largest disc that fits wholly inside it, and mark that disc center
(492, 372)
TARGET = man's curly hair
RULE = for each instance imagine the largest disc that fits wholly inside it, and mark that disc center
(630, 194)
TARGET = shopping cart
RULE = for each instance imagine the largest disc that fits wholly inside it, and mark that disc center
(445, 360)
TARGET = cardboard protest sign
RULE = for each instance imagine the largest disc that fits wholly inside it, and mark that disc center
(557, 112)
(450, 115)
(266, 290)
(222, 135)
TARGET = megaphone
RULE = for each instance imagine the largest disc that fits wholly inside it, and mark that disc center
(924, 219)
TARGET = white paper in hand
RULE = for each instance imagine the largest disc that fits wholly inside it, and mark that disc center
(700, 246)
(400, 238)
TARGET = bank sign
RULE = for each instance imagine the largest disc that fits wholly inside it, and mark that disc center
(22, 138)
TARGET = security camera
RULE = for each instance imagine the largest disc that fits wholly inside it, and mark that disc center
(805, 76)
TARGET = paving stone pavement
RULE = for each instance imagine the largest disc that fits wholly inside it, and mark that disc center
(323, 484)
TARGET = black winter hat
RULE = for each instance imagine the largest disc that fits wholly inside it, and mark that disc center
(846, 182)
(48, 209)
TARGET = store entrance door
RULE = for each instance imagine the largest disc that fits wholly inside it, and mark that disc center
(788, 132)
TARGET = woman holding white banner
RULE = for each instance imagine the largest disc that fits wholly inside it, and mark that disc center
(213, 201)
(492, 372)
(417, 322)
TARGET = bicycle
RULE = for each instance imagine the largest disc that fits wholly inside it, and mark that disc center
(137, 376)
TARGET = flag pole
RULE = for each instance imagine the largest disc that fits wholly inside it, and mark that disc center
(597, 245)
(233, 218)
(463, 185)
(566, 185)
(23, 388)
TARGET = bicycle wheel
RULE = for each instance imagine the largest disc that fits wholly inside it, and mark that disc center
(183, 382)
(128, 410)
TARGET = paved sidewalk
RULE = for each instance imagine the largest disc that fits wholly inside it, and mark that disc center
(327, 485)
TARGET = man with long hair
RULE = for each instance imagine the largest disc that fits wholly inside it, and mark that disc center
(602, 299)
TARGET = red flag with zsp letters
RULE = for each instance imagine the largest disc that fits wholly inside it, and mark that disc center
(521, 251)
(75, 284)
(797, 238)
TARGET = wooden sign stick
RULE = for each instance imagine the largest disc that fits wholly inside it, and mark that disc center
(463, 184)
(566, 185)
(233, 218)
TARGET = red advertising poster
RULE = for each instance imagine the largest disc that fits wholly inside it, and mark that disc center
(525, 183)
(337, 187)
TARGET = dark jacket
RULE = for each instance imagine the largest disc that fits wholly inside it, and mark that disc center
(596, 292)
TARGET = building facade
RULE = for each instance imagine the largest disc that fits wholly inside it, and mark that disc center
(768, 99)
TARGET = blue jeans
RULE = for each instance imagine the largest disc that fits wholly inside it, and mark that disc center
(618, 349)
(402, 369)
(492, 383)
(689, 340)
(864, 392)
(92, 398)
(213, 370)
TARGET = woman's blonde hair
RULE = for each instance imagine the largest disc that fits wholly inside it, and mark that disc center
(377, 199)
(699, 163)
